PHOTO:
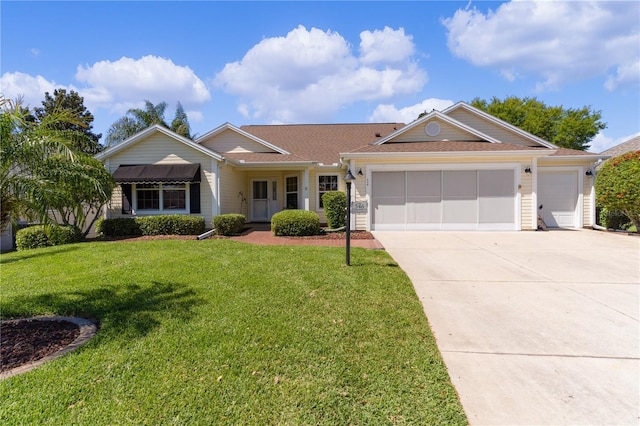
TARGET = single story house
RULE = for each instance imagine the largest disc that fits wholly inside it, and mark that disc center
(457, 169)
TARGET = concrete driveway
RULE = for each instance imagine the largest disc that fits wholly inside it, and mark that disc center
(534, 327)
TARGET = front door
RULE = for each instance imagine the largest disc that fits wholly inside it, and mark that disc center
(260, 201)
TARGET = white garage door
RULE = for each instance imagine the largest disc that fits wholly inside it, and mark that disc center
(558, 196)
(443, 199)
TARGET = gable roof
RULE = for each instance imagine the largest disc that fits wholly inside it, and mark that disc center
(156, 128)
(228, 126)
(498, 122)
(440, 116)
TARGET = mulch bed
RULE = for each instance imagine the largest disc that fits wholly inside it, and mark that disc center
(28, 340)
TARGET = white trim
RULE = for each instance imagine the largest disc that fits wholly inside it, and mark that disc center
(305, 186)
(455, 154)
(515, 167)
(337, 175)
(215, 186)
(579, 211)
(534, 193)
(229, 126)
(151, 212)
(286, 193)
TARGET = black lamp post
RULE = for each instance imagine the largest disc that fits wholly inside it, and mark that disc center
(348, 178)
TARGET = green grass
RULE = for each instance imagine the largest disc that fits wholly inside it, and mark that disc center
(220, 332)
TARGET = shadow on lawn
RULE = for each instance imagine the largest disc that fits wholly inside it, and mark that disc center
(126, 311)
(29, 254)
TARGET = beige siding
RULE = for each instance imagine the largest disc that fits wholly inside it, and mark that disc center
(231, 141)
(447, 133)
(232, 183)
(587, 187)
(528, 210)
(485, 126)
(161, 149)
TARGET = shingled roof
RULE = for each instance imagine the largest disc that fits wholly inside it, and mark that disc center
(315, 142)
(627, 146)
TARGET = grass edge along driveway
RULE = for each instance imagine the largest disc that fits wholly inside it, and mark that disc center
(221, 332)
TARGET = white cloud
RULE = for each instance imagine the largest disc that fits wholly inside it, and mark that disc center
(387, 45)
(601, 142)
(557, 42)
(30, 88)
(308, 75)
(127, 82)
(389, 113)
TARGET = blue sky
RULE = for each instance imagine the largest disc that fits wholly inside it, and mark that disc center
(325, 62)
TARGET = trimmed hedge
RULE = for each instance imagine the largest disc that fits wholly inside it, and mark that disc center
(118, 227)
(151, 225)
(39, 236)
(335, 208)
(295, 223)
(229, 224)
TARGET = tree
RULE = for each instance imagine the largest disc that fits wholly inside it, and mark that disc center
(138, 119)
(180, 123)
(618, 186)
(42, 174)
(74, 104)
(572, 128)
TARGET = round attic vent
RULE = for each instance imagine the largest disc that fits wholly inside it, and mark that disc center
(432, 128)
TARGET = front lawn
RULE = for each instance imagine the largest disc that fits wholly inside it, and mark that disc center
(221, 332)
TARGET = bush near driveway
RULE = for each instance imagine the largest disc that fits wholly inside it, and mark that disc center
(618, 186)
(227, 333)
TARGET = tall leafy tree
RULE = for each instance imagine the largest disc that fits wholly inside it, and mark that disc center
(138, 119)
(43, 175)
(73, 103)
(572, 128)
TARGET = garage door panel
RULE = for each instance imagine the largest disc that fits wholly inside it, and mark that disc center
(444, 199)
(424, 184)
(389, 210)
(387, 184)
(496, 189)
(558, 195)
(424, 210)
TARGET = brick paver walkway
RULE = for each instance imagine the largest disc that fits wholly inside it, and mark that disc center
(261, 234)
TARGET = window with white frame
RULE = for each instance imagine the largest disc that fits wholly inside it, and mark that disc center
(161, 197)
(326, 183)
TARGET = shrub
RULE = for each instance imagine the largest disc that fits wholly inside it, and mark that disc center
(118, 227)
(31, 238)
(335, 208)
(62, 234)
(38, 236)
(295, 223)
(229, 224)
(170, 225)
(151, 225)
(618, 186)
(613, 219)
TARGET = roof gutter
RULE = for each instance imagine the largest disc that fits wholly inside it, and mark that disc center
(440, 154)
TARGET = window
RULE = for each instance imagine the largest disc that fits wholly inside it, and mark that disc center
(326, 183)
(148, 197)
(291, 189)
(161, 197)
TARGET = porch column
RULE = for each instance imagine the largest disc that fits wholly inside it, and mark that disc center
(305, 183)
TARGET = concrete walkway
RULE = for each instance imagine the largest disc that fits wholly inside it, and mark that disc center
(534, 327)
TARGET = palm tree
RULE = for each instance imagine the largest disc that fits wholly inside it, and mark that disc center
(40, 168)
(138, 119)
